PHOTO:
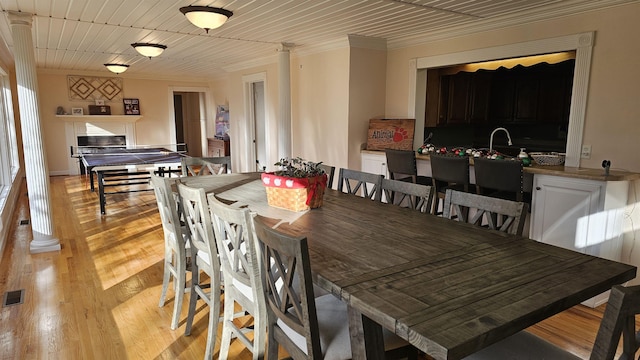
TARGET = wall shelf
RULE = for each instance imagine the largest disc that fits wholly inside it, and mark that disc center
(100, 118)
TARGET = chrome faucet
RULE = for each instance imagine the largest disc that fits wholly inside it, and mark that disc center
(491, 139)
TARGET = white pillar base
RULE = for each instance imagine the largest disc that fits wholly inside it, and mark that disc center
(43, 243)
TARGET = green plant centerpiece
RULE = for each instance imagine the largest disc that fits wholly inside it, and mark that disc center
(297, 185)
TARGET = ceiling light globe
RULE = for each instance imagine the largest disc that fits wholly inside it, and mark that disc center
(148, 49)
(117, 68)
(206, 17)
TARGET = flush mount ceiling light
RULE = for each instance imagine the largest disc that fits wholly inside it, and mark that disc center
(206, 17)
(117, 68)
(148, 49)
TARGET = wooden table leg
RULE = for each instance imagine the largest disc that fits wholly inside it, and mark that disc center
(367, 341)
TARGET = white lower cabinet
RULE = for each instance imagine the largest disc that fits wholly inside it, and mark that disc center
(582, 215)
(374, 163)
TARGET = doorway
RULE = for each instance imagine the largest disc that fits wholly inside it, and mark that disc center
(257, 143)
(191, 121)
(188, 126)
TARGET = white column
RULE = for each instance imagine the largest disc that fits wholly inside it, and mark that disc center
(36, 167)
(284, 95)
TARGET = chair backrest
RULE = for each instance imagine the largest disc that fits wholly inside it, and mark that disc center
(367, 182)
(401, 162)
(197, 166)
(618, 319)
(193, 202)
(330, 171)
(168, 208)
(284, 261)
(233, 229)
(485, 208)
(402, 193)
(447, 169)
(499, 175)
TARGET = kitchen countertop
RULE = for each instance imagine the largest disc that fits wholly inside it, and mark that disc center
(560, 170)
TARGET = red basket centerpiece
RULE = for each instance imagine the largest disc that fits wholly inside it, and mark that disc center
(298, 186)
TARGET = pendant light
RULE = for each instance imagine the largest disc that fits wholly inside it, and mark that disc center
(117, 68)
(148, 49)
(206, 17)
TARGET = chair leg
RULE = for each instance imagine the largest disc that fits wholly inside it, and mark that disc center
(259, 334)
(180, 284)
(193, 298)
(214, 319)
(227, 327)
(272, 347)
(165, 278)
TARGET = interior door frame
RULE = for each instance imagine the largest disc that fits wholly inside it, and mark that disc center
(250, 121)
(206, 112)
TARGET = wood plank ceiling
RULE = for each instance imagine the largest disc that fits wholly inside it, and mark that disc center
(82, 35)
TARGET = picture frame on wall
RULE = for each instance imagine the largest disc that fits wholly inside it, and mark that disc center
(77, 111)
(131, 106)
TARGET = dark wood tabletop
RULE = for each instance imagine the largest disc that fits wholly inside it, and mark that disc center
(448, 288)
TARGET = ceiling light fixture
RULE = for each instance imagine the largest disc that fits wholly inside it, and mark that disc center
(117, 68)
(148, 49)
(206, 17)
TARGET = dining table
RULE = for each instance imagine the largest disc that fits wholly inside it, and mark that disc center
(447, 287)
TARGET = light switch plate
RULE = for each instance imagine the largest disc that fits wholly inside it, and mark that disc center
(586, 152)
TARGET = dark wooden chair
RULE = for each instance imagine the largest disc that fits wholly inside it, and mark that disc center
(307, 329)
(618, 320)
(401, 193)
(448, 172)
(368, 183)
(197, 166)
(401, 165)
(499, 178)
(480, 210)
(330, 171)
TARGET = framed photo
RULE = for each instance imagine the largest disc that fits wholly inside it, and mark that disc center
(100, 102)
(131, 106)
(77, 111)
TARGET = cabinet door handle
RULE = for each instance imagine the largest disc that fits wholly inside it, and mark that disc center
(538, 188)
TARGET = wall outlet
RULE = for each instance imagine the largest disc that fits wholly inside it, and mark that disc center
(586, 152)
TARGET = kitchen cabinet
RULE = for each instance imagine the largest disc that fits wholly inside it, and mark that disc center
(534, 94)
(218, 147)
(581, 215)
(375, 163)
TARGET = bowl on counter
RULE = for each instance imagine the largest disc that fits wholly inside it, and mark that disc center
(547, 158)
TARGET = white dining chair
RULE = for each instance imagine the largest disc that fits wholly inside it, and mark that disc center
(198, 166)
(196, 215)
(177, 250)
(233, 228)
(305, 326)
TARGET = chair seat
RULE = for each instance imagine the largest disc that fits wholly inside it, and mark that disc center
(522, 346)
(333, 322)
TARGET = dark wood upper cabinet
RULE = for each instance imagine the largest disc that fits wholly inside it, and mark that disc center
(522, 95)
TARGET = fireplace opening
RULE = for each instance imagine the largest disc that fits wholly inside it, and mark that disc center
(93, 143)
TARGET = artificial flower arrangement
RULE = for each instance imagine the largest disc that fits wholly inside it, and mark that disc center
(297, 185)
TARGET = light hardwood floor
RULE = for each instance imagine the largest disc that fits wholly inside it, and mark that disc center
(98, 297)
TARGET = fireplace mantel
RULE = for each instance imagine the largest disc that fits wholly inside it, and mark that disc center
(97, 125)
(100, 118)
